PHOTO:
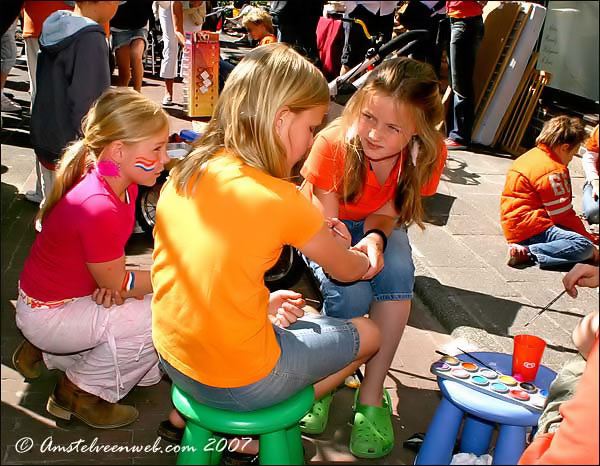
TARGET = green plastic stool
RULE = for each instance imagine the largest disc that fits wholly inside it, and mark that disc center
(280, 440)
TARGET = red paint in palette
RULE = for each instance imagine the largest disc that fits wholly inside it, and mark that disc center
(519, 395)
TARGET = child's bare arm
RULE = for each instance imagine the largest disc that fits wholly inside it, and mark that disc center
(585, 333)
(123, 283)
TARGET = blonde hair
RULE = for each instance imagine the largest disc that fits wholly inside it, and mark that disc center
(267, 79)
(259, 16)
(562, 130)
(414, 83)
(120, 114)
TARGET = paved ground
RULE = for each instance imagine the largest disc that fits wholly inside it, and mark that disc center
(462, 282)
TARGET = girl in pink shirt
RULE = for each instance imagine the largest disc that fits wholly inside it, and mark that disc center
(73, 306)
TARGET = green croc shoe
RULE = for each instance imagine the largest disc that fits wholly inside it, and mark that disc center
(385, 403)
(316, 420)
(372, 432)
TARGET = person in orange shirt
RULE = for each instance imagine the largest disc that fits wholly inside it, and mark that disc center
(260, 26)
(590, 162)
(222, 220)
(370, 169)
(568, 429)
(536, 213)
(466, 32)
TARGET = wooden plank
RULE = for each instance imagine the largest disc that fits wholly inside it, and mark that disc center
(544, 78)
(509, 48)
(498, 24)
(515, 122)
(517, 98)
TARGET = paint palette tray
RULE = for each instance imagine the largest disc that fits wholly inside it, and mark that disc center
(482, 379)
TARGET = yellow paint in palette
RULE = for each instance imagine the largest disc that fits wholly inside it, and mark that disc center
(508, 380)
(450, 360)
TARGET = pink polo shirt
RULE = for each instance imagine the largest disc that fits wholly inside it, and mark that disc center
(90, 224)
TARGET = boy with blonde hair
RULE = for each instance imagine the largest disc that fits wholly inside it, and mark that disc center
(537, 216)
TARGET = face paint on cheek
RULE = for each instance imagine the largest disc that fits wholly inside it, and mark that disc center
(145, 164)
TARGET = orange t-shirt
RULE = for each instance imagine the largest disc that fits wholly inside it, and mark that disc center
(465, 9)
(211, 251)
(592, 143)
(36, 12)
(324, 168)
(576, 440)
(268, 39)
(536, 196)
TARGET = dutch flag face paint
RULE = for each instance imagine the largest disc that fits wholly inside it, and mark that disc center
(145, 164)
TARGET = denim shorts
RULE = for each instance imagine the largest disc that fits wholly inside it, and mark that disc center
(120, 38)
(394, 282)
(301, 363)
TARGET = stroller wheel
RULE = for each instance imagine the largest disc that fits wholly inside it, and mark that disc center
(145, 212)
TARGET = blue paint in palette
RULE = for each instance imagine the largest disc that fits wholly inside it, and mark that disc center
(499, 387)
(479, 380)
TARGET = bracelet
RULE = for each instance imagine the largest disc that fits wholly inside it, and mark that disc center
(128, 281)
(380, 233)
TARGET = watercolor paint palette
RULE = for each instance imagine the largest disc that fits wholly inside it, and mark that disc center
(487, 381)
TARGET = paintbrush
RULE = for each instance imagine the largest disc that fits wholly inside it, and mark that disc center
(472, 357)
(541, 311)
(312, 300)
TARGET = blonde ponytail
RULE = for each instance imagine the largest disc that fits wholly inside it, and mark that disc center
(71, 168)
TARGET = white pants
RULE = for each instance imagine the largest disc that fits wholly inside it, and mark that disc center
(32, 47)
(105, 352)
(168, 65)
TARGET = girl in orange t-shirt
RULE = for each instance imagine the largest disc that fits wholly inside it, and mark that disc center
(370, 169)
(222, 220)
(260, 26)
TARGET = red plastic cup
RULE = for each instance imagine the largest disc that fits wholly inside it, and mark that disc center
(527, 355)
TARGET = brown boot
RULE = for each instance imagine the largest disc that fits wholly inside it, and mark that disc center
(68, 399)
(28, 360)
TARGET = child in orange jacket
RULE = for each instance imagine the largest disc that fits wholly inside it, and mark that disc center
(537, 216)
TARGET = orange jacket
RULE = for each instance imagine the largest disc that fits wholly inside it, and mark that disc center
(536, 196)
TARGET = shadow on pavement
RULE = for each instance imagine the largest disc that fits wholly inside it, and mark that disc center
(437, 208)
(492, 314)
(455, 173)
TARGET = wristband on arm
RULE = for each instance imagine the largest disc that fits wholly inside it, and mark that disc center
(380, 233)
(128, 281)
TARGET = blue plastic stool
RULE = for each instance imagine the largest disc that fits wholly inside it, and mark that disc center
(280, 440)
(483, 412)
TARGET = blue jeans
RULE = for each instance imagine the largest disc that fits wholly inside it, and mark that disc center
(465, 37)
(590, 205)
(300, 364)
(558, 246)
(393, 283)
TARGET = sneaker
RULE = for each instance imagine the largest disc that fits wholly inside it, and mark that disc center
(9, 105)
(517, 255)
(451, 144)
(167, 100)
(33, 196)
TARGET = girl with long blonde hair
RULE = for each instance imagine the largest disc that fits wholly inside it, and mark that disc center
(222, 220)
(74, 306)
(370, 169)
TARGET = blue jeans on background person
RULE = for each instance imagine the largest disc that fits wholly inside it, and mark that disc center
(465, 37)
(558, 246)
(590, 205)
(394, 282)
